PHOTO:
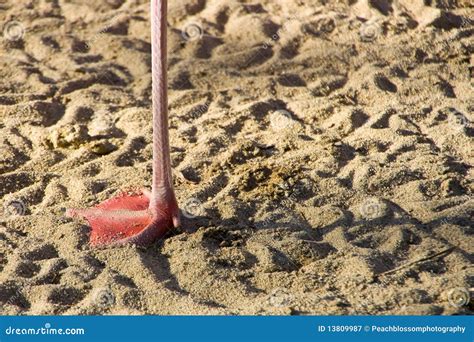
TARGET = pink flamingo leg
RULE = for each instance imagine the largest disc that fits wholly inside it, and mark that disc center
(142, 218)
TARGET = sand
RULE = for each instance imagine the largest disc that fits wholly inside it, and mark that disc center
(321, 151)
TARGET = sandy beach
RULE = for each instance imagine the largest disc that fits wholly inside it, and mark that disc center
(322, 156)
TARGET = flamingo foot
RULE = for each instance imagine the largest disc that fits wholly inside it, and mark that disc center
(128, 218)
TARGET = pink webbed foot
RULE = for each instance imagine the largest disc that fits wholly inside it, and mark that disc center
(128, 218)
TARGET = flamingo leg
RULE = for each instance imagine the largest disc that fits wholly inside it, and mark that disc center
(142, 218)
